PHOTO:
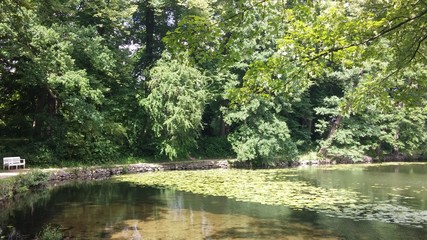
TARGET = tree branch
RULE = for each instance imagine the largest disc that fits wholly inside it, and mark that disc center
(414, 54)
(243, 11)
(51, 93)
(382, 33)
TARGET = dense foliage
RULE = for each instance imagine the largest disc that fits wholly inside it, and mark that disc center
(260, 80)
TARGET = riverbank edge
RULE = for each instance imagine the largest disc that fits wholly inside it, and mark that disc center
(62, 175)
(94, 173)
(58, 175)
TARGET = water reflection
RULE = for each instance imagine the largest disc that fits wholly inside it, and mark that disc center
(107, 210)
(402, 184)
(412, 168)
(207, 225)
(112, 210)
(186, 216)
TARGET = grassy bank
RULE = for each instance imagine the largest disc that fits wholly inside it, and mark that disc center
(22, 183)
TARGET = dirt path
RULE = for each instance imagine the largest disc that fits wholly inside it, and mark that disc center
(11, 173)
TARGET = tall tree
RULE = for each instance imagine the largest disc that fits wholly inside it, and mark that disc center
(67, 69)
(175, 104)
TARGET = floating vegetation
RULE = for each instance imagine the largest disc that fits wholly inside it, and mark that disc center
(280, 187)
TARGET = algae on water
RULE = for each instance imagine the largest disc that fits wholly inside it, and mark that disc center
(282, 187)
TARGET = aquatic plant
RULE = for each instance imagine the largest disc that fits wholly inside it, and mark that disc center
(281, 187)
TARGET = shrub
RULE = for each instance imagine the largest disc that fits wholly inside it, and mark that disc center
(32, 179)
(50, 232)
(214, 147)
(10, 233)
(6, 188)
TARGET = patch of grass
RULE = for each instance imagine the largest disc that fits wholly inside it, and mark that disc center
(6, 187)
(50, 232)
(309, 156)
(133, 160)
(22, 183)
(119, 161)
(9, 232)
(34, 178)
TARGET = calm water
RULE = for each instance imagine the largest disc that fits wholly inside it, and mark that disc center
(111, 210)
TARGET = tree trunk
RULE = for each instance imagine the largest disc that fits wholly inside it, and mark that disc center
(324, 149)
(149, 34)
(39, 105)
(396, 150)
(45, 106)
(223, 127)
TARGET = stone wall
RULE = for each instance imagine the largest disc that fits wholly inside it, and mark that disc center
(92, 173)
(105, 172)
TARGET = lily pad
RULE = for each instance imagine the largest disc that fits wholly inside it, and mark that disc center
(280, 187)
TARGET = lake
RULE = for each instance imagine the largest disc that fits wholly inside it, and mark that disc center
(386, 201)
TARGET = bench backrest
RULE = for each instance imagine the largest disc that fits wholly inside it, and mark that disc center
(9, 160)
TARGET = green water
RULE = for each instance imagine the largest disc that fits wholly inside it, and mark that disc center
(403, 185)
(392, 206)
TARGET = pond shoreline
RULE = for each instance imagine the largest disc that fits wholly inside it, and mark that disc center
(9, 191)
(61, 175)
(282, 188)
(101, 172)
(93, 173)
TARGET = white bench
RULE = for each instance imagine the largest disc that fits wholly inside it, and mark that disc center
(13, 161)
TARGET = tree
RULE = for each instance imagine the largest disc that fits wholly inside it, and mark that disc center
(73, 72)
(66, 70)
(175, 105)
(261, 135)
